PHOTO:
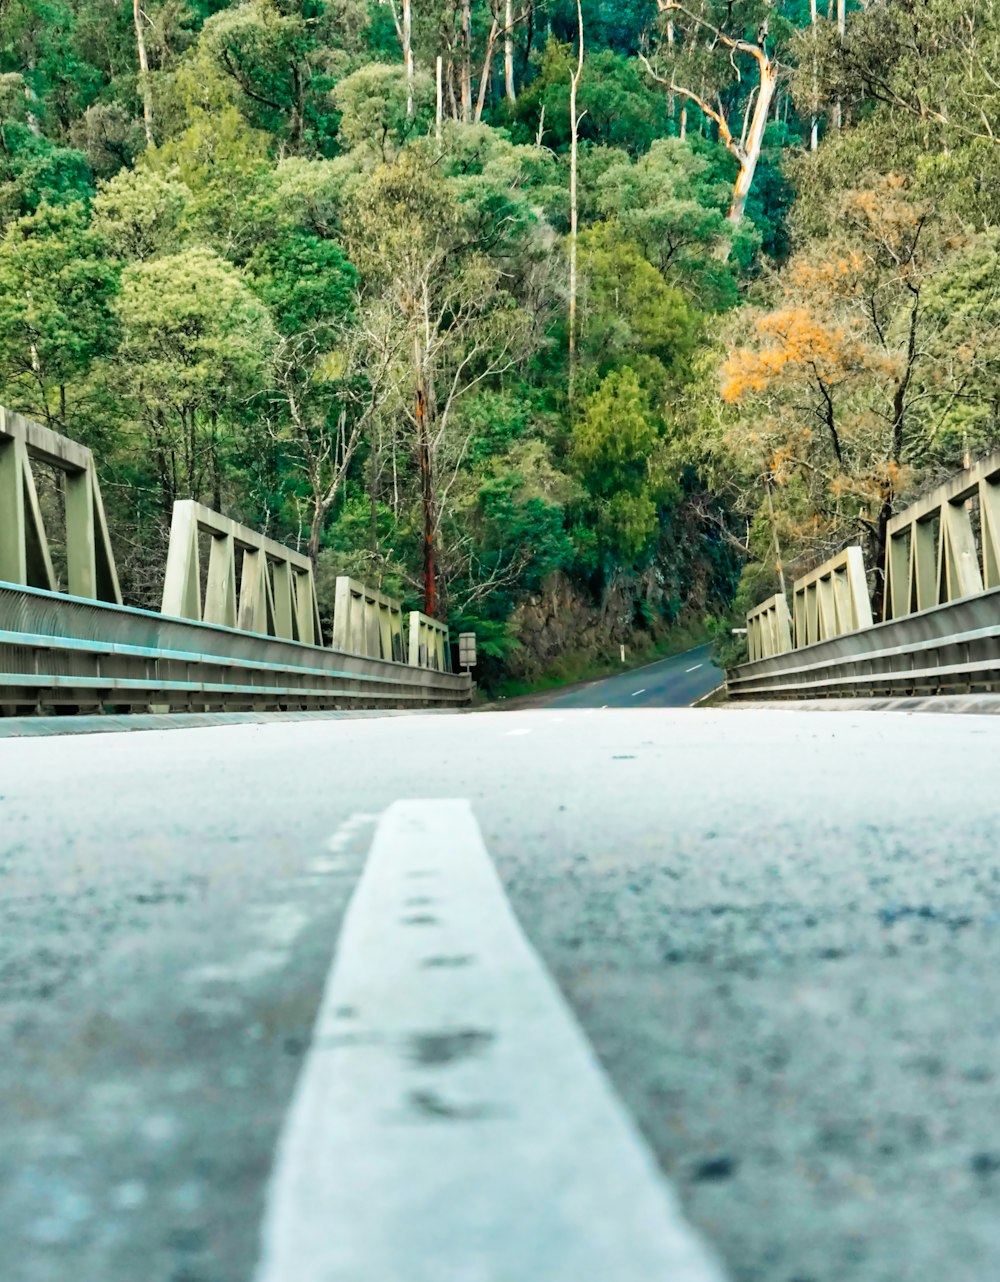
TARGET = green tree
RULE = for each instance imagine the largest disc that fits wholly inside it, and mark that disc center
(56, 296)
(196, 346)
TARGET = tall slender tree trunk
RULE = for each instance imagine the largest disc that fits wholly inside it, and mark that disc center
(774, 534)
(749, 154)
(484, 79)
(408, 55)
(147, 89)
(439, 107)
(466, 61)
(508, 51)
(838, 110)
(573, 209)
(425, 466)
(814, 130)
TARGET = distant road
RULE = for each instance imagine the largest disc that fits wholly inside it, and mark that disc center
(671, 683)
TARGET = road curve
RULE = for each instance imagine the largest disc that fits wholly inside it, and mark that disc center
(676, 682)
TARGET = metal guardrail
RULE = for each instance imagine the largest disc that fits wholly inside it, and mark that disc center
(948, 649)
(55, 653)
(769, 628)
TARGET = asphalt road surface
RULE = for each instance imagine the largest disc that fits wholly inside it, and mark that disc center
(670, 683)
(566, 996)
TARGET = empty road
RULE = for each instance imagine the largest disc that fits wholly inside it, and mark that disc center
(669, 683)
(616, 996)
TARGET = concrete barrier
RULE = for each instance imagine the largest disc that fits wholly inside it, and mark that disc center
(932, 555)
(769, 629)
(25, 558)
(429, 643)
(277, 592)
(832, 599)
(367, 622)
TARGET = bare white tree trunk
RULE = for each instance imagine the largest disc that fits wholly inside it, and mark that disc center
(573, 211)
(747, 147)
(439, 110)
(838, 110)
(466, 61)
(814, 131)
(147, 89)
(508, 51)
(407, 38)
(484, 79)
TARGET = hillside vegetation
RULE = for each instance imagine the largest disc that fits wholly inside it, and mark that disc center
(519, 309)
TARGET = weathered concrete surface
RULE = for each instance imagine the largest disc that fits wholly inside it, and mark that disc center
(781, 934)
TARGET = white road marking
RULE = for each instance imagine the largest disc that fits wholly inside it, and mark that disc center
(695, 668)
(451, 1123)
(635, 692)
(603, 706)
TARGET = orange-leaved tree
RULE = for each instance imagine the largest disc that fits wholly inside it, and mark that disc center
(839, 387)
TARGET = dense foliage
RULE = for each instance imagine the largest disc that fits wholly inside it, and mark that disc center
(307, 261)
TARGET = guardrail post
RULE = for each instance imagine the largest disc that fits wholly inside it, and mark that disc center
(220, 588)
(365, 621)
(13, 543)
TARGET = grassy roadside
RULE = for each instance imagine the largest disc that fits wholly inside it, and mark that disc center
(576, 668)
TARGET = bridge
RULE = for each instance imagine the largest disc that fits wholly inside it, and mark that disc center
(310, 971)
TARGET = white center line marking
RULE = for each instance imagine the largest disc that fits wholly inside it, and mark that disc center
(695, 668)
(635, 692)
(451, 1121)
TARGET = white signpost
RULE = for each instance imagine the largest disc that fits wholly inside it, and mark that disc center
(466, 650)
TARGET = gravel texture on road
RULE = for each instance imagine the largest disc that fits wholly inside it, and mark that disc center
(780, 932)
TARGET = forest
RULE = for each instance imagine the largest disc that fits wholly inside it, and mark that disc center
(571, 322)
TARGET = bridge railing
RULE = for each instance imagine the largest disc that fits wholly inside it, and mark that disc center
(366, 621)
(25, 556)
(429, 645)
(63, 653)
(241, 633)
(941, 627)
(769, 628)
(932, 555)
(277, 593)
(832, 599)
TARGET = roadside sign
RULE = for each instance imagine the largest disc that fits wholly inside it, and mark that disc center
(466, 650)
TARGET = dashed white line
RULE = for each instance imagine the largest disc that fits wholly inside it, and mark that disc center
(635, 692)
(451, 1121)
(695, 668)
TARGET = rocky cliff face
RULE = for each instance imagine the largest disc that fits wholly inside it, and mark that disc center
(563, 620)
